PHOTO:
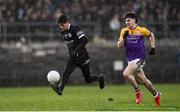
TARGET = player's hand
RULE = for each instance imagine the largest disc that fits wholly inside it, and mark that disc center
(74, 54)
(152, 51)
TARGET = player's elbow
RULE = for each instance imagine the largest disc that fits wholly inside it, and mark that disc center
(84, 40)
(152, 36)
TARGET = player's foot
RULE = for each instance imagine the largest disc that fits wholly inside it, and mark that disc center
(138, 97)
(157, 99)
(56, 89)
(101, 81)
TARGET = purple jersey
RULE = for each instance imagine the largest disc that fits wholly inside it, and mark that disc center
(134, 42)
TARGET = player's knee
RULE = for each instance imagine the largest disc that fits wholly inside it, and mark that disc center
(143, 82)
(125, 74)
(146, 81)
(149, 82)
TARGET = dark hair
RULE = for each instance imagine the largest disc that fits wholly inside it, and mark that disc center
(62, 19)
(131, 15)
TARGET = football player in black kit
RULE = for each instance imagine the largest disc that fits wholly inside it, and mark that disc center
(78, 55)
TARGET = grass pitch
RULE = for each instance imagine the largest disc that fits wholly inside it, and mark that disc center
(87, 98)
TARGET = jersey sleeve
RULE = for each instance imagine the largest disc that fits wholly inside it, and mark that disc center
(82, 39)
(79, 33)
(145, 32)
(121, 35)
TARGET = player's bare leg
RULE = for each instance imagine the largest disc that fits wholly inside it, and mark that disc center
(148, 84)
(128, 74)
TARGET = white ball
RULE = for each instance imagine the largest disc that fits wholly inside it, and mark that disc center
(53, 76)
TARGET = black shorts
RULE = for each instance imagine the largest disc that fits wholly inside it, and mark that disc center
(81, 59)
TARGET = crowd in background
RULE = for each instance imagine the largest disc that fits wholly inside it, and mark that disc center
(105, 12)
(87, 10)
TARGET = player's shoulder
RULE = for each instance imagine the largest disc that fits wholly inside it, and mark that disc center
(74, 28)
(144, 31)
(124, 29)
(141, 28)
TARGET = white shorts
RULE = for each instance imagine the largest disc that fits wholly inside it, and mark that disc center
(139, 62)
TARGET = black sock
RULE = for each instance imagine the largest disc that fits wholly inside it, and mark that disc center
(137, 89)
(154, 92)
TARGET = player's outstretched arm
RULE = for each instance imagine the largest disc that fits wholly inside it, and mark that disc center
(152, 43)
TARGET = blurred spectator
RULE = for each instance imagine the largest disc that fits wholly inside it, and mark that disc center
(101, 8)
(115, 23)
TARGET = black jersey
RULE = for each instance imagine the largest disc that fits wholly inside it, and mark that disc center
(76, 41)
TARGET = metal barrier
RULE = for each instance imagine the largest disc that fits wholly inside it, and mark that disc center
(37, 29)
(50, 30)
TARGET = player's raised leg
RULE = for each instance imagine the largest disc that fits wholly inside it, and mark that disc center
(92, 78)
(128, 74)
(148, 84)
